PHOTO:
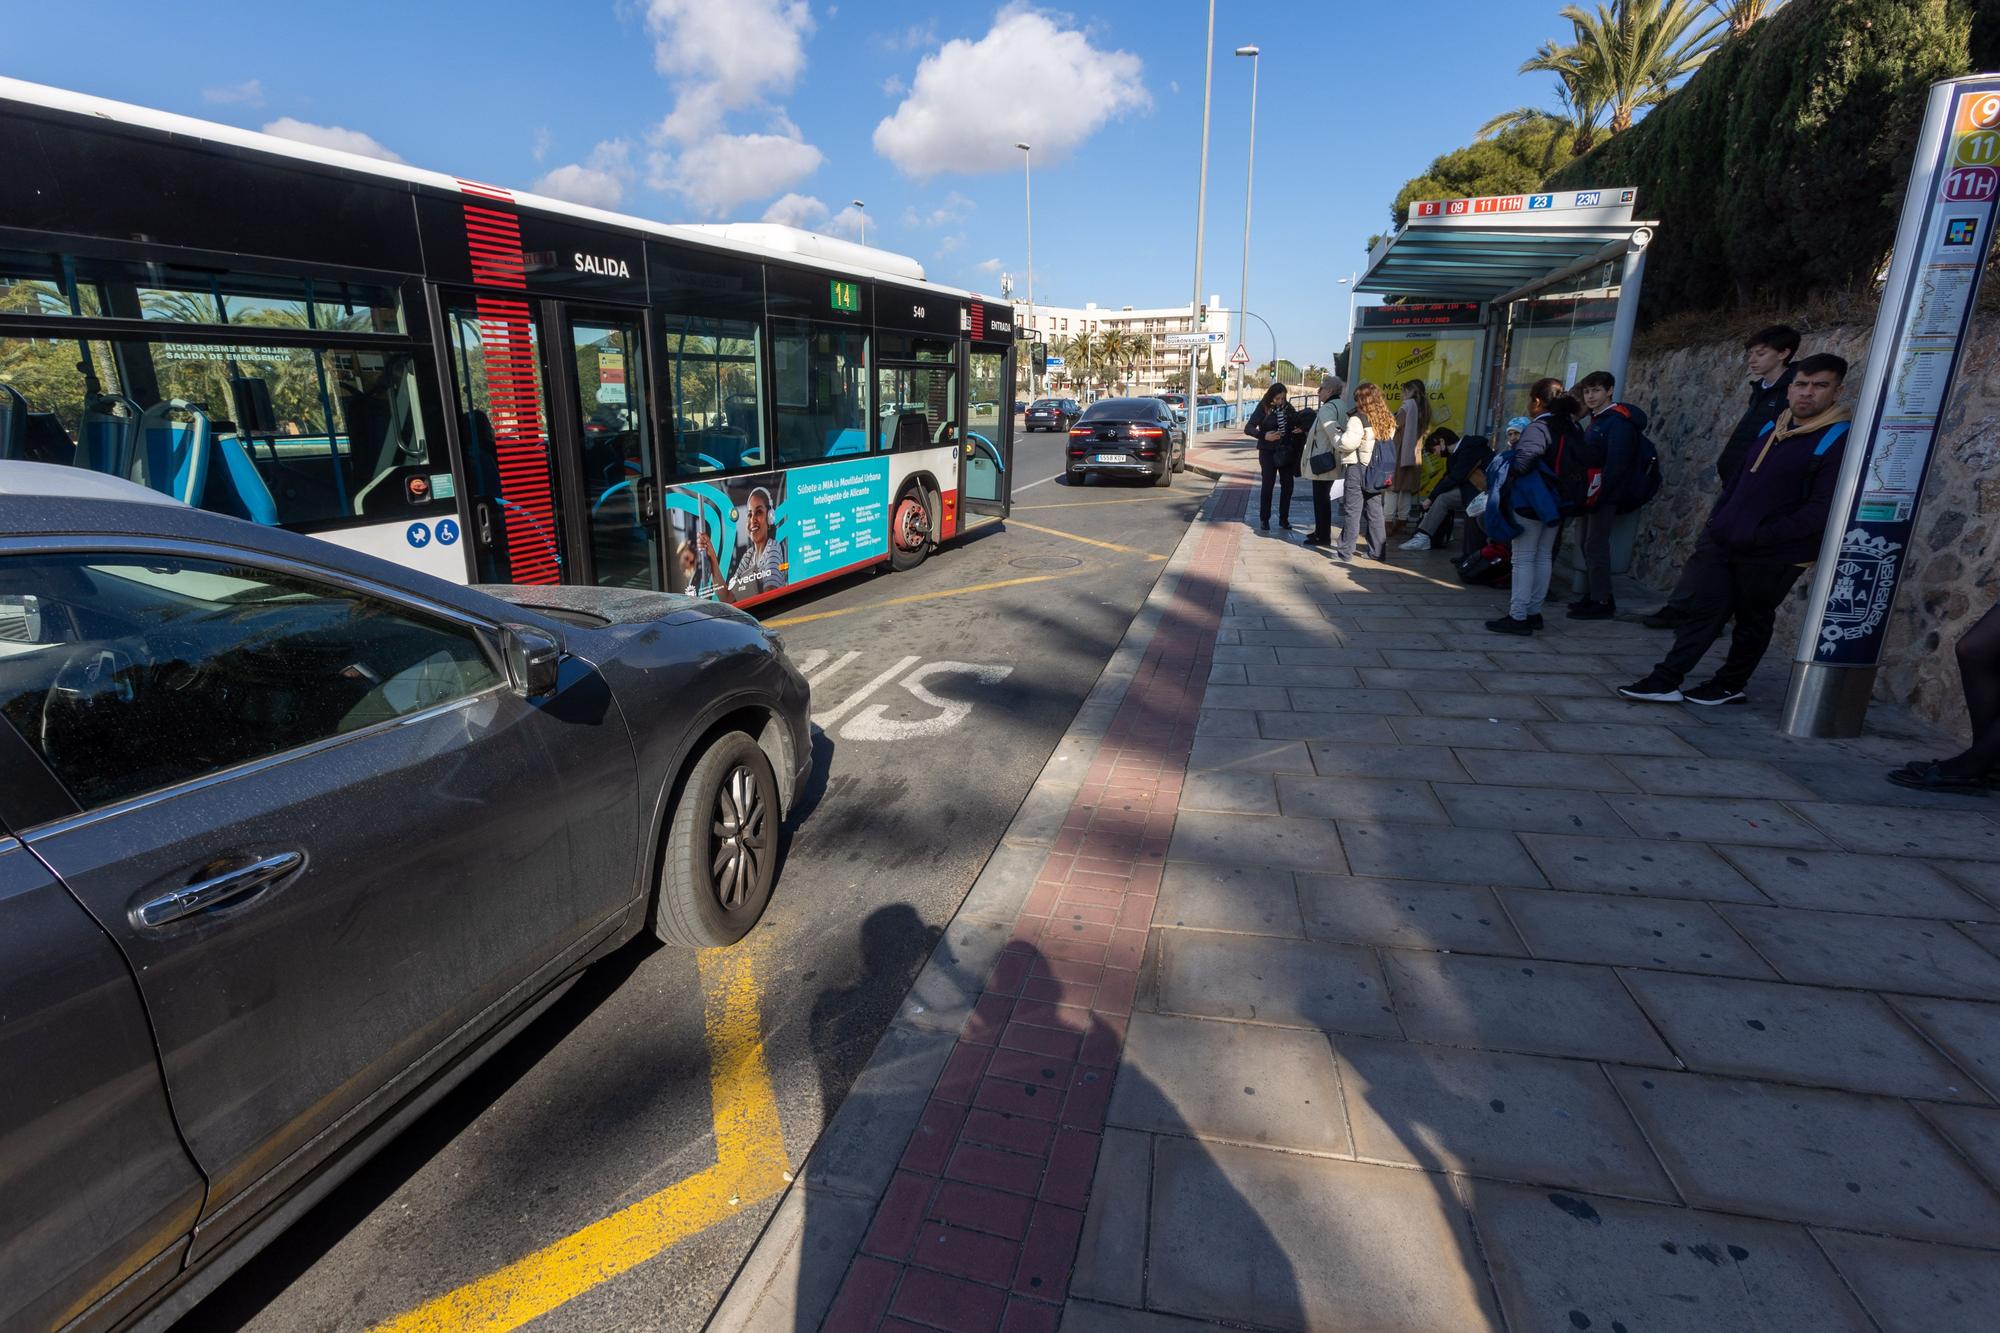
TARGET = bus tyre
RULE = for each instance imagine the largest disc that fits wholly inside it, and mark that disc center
(722, 848)
(910, 530)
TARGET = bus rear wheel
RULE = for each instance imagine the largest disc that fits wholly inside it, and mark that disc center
(910, 530)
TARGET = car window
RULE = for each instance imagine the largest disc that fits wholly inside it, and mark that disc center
(128, 673)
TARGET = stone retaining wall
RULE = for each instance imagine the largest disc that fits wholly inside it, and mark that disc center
(1695, 393)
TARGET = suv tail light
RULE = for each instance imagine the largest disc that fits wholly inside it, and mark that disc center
(1147, 432)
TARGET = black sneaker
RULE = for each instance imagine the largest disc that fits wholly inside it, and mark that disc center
(1664, 618)
(1588, 610)
(1580, 603)
(1535, 621)
(1651, 690)
(1509, 625)
(1712, 695)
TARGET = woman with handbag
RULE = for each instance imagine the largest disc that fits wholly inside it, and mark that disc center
(1271, 426)
(1321, 457)
(1368, 469)
(1413, 423)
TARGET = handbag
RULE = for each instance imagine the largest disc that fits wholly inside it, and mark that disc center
(1323, 461)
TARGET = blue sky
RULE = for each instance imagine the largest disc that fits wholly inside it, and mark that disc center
(691, 110)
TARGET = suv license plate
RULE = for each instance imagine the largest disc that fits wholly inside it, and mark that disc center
(1113, 458)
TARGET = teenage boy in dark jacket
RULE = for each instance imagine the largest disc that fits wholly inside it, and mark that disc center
(1612, 434)
(1768, 356)
(1765, 532)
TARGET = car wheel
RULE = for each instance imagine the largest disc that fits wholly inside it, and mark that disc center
(1180, 461)
(1166, 477)
(722, 848)
(909, 530)
(1076, 477)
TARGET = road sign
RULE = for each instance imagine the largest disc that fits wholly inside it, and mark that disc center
(1193, 339)
(1239, 357)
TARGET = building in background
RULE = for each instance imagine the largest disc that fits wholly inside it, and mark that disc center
(1162, 369)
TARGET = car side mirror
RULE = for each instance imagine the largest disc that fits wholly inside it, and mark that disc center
(534, 657)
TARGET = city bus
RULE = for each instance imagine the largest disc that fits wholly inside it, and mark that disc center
(482, 384)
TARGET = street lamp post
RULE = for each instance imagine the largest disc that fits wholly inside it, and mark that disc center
(1349, 282)
(864, 219)
(1249, 180)
(1200, 218)
(1028, 190)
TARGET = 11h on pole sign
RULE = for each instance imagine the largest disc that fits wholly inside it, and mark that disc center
(1927, 305)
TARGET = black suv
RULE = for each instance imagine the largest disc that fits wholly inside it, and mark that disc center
(1053, 413)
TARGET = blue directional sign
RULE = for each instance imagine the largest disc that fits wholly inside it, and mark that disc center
(447, 531)
(1536, 201)
(1589, 198)
(418, 535)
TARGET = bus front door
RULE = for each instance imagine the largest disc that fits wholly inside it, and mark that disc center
(612, 440)
(986, 454)
(514, 496)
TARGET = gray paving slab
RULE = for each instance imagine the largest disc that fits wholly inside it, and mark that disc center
(1004, 882)
(951, 980)
(1527, 809)
(1967, 1031)
(1634, 932)
(1738, 742)
(1366, 728)
(1447, 660)
(1240, 1081)
(1254, 900)
(1111, 1255)
(1389, 800)
(1808, 1155)
(1531, 768)
(1292, 983)
(1787, 1033)
(1982, 877)
(858, 1150)
(1245, 654)
(1854, 882)
(1874, 952)
(1325, 655)
(1225, 722)
(1278, 1241)
(1465, 733)
(1984, 933)
(1846, 781)
(1245, 696)
(1482, 705)
(1551, 685)
(1386, 640)
(1748, 778)
(1603, 708)
(1716, 819)
(1455, 855)
(1611, 738)
(1332, 677)
(1249, 754)
(1094, 1317)
(1515, 1117)
(1630, 865)
(792, 1274)
(1407, 914)
(1563, 1261)
(1519, 1004)
(1320, 636)
(1976, 1131)
(1228, 673)
(1420, 681)
(1425, 763)
(1379, 703)
(1271, 840)
(1230, 792)
(1905, 1285)
(1577, 663)
(1955, 834)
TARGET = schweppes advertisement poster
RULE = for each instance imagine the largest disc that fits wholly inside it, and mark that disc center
(1446, 361)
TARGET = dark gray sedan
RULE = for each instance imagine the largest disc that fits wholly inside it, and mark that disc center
(291, 837)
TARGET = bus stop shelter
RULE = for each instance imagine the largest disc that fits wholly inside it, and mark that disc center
(1555, 278)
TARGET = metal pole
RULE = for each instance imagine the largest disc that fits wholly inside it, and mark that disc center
(1946, 229)
(1249, 181)
(1028, 189)
(864, 219)
(1628, 302)
(1200, 212)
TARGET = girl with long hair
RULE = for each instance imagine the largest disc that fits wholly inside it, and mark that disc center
(1277, 454)
(1413, 423)
(1371, 428)
(1552, 413)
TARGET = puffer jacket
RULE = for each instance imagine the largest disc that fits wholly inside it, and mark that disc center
(1328, 426)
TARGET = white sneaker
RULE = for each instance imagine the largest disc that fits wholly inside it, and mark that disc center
(1420, 542)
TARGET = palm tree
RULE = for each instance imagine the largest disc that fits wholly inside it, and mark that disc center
(1632, 52)
(1082, 356)
(1742, 15)
(1580, 97)
(1121, 349)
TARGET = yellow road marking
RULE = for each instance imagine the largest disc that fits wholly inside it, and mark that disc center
(1087, 541)
(750, 1166)
(783, 621)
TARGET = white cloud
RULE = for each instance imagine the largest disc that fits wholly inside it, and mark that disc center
(250, 92)
(329, 136)
(725, 56)
(724, 170)
(988, 266)
(598, 181)
(847, 222)
(912, 38)
(894, 86)
(946, 245)
(543, 141)
(1061, 90)
(955, 208)
(796, 210)
(1174, 87)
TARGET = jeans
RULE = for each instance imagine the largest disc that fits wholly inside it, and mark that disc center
(1322, 495)
(1533, 554)
(1750, 590)
(1442, 508)
(1699, 561)
(1363, 505)
(1272, 460)
(1597, 552)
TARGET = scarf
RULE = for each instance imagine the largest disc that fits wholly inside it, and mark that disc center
(1785, 428)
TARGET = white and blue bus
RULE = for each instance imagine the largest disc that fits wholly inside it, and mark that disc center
(481, 384)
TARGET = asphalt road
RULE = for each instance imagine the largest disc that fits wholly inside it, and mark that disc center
(939, 693)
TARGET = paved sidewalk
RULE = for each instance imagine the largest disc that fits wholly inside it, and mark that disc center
(1403, 977)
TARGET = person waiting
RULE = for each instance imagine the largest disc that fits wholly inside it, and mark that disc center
(1464, 477)
(1271, 426)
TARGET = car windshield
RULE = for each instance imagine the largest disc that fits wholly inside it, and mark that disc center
(1123, 409)
(1048, 402)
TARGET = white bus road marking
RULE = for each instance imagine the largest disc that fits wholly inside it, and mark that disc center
(873, 723)
(817, 678)
(840, 710)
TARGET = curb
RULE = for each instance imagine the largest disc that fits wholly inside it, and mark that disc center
(788, 1280)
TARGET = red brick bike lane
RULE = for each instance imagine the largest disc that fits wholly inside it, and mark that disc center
(978, 1229)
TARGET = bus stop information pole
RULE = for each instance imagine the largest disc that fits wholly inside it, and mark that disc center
(1927, 305)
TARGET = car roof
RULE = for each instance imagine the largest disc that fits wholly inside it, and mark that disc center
(52, 481)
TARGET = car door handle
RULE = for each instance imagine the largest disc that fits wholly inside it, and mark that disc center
(216, 890)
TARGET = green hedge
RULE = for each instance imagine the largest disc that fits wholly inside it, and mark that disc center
(1779, 168)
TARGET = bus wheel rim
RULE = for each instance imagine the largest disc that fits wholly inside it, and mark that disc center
(913, 523)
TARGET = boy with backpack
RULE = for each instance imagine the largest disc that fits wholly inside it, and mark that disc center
(1765, 532)
(1628, 474)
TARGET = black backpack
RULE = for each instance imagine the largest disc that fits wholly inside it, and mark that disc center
(1578, 465)
(1644, 482)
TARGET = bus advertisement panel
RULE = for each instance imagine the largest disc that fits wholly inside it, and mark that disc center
(741, 539)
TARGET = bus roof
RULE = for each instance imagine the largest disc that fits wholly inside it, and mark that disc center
(766, 240)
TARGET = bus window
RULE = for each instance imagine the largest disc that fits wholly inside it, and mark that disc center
(821, 376)
(918, 407)
(717, 381)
